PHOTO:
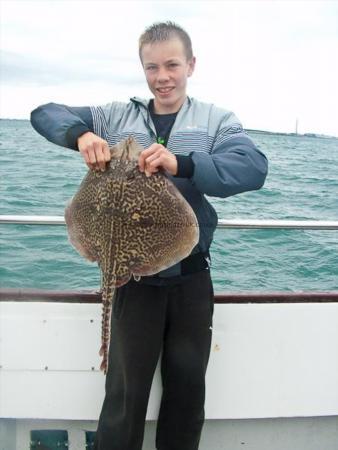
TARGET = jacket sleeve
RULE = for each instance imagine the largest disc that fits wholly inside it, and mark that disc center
(62, 124)
(234, 164)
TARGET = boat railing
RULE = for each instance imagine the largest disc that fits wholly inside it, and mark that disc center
(222, 223)
(31, 295)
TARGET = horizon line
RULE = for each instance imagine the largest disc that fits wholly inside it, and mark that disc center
(287, 133)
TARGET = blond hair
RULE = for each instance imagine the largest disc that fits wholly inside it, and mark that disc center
(163, 31)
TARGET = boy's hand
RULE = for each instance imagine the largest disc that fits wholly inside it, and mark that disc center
(156, 157)
(94, 150)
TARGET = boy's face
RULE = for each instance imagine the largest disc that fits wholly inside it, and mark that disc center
(167, 69)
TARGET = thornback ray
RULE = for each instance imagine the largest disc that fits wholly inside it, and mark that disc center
(130, 224)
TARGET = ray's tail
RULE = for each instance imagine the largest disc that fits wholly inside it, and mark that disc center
(107, 299)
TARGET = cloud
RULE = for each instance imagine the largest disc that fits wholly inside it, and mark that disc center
(29, 70)
(269, 61)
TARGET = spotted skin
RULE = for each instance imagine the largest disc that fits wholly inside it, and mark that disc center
(130, 224)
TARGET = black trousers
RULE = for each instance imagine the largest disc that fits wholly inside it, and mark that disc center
(146, 319)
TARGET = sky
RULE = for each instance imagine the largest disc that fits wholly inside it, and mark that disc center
(270, 62)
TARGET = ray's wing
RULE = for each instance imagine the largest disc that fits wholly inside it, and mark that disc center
(84, 217)
(159, 228)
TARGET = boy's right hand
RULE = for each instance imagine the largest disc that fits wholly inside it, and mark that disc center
(94, 150)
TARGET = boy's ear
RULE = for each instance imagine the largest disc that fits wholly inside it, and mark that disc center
(192, 63)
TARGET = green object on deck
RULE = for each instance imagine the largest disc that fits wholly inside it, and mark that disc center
(49, 440)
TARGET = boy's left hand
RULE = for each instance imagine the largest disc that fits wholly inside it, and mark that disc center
(157, 157)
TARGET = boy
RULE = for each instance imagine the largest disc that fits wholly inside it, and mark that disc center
(204, 150)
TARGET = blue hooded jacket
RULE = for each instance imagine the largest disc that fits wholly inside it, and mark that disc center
(226, 161)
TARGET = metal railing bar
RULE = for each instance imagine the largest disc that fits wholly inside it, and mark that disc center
(279, 224)
(222, 223)
(86, 296)
(32, 220)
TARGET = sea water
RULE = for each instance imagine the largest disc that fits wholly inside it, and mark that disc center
(38, 178)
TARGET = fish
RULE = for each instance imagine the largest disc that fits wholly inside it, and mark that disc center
(129, 223)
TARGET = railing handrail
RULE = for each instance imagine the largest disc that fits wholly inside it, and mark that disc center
(91, 296)
(222, 223)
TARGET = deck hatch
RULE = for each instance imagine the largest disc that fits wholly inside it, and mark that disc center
(49, 440)
(90, 438)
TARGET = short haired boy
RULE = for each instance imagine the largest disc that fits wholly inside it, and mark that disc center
(204, 151)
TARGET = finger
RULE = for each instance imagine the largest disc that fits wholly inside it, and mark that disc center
(146, 153)
(165, 160)
(156, 162)
(153, 148)
(152, 157)
(106, 152)
(148, 173)
(91, 156)
(100, 160)
(86, 158)
(153, 166)
(141, 161)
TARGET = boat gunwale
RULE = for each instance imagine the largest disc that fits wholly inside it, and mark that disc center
(91, 296)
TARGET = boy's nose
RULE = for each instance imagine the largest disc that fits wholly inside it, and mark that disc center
(162, 75)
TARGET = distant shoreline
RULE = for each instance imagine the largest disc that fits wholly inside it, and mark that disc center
(278, 133)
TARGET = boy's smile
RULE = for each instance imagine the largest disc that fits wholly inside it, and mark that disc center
(166, 68)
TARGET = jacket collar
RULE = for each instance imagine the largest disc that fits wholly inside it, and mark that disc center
(146, 114)
(145, 102)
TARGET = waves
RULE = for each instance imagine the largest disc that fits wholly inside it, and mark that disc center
(37, 177)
